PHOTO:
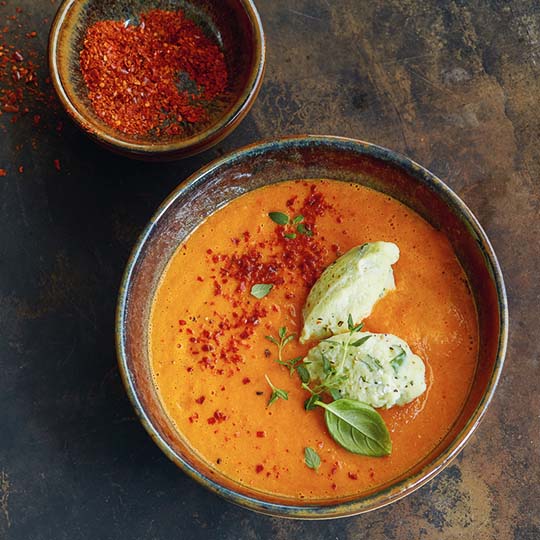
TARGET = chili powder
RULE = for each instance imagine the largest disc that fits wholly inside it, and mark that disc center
(157, 77)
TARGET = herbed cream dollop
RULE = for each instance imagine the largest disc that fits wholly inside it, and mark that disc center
(350, 285)
(378, 369)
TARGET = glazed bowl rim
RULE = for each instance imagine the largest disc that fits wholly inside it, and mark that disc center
(393, 491)
(214, 132)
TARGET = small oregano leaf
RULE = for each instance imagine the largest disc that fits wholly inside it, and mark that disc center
(279, 217)
(311, 458)
(260, 290)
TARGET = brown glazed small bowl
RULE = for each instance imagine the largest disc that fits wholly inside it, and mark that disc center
(234, 24)
(305, 158)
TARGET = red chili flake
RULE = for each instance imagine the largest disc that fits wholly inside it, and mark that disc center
(156, 77)
(200, 400)
(37, 119)
(211, 420)
(246, 380)
(334, 486)
(21, 169)
(57, 164)
(3, 172)
(290, 202)
(261, 434)
(199, 278)
(259, 468)
(31, 34)
(218, 417)
(193, 417)
(181, 322)
(352, 476)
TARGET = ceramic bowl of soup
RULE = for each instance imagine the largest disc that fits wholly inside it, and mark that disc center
(157, 80)
(198, 338)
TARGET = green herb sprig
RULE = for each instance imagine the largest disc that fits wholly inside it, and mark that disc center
(284, 339)
(297, 223)
(277, 393)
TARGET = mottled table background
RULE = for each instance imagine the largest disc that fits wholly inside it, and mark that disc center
(453, 84)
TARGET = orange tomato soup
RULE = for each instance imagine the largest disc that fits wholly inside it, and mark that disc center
(210, 355)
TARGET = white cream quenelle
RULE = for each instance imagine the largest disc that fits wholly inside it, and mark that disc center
(352, 284)
(378, 369)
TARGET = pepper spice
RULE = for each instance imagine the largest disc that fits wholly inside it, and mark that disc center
(157, 77)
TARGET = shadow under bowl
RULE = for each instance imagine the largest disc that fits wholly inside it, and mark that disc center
(308, 157)
(233, 24)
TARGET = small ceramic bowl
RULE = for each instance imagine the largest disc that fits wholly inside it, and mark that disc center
(233, 24)
(305, 158)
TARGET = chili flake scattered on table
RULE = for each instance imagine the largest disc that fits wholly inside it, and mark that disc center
(157, 77)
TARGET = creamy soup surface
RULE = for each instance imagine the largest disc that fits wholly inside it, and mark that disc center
(209, 353)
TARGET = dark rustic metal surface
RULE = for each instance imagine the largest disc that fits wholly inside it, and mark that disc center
(455, 85)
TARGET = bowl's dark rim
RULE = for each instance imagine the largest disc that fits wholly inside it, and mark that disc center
(395, 491)
(215, 131)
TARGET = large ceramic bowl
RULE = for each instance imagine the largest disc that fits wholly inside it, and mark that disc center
(304, 158)
(233, 24)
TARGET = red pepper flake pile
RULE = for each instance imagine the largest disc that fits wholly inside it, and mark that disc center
(3, 172)
(305, 253)
(157, 77)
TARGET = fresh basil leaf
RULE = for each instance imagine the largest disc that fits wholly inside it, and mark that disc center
(282, 332)
(290, 236)
(350, 323)
(311, 458)
(397, 361)
(298, 219)
(279, 217)
(360, 341)
(303, 373)
(260, 290)
(357, 427)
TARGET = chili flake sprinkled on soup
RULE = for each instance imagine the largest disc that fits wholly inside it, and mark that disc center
(244, 274)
